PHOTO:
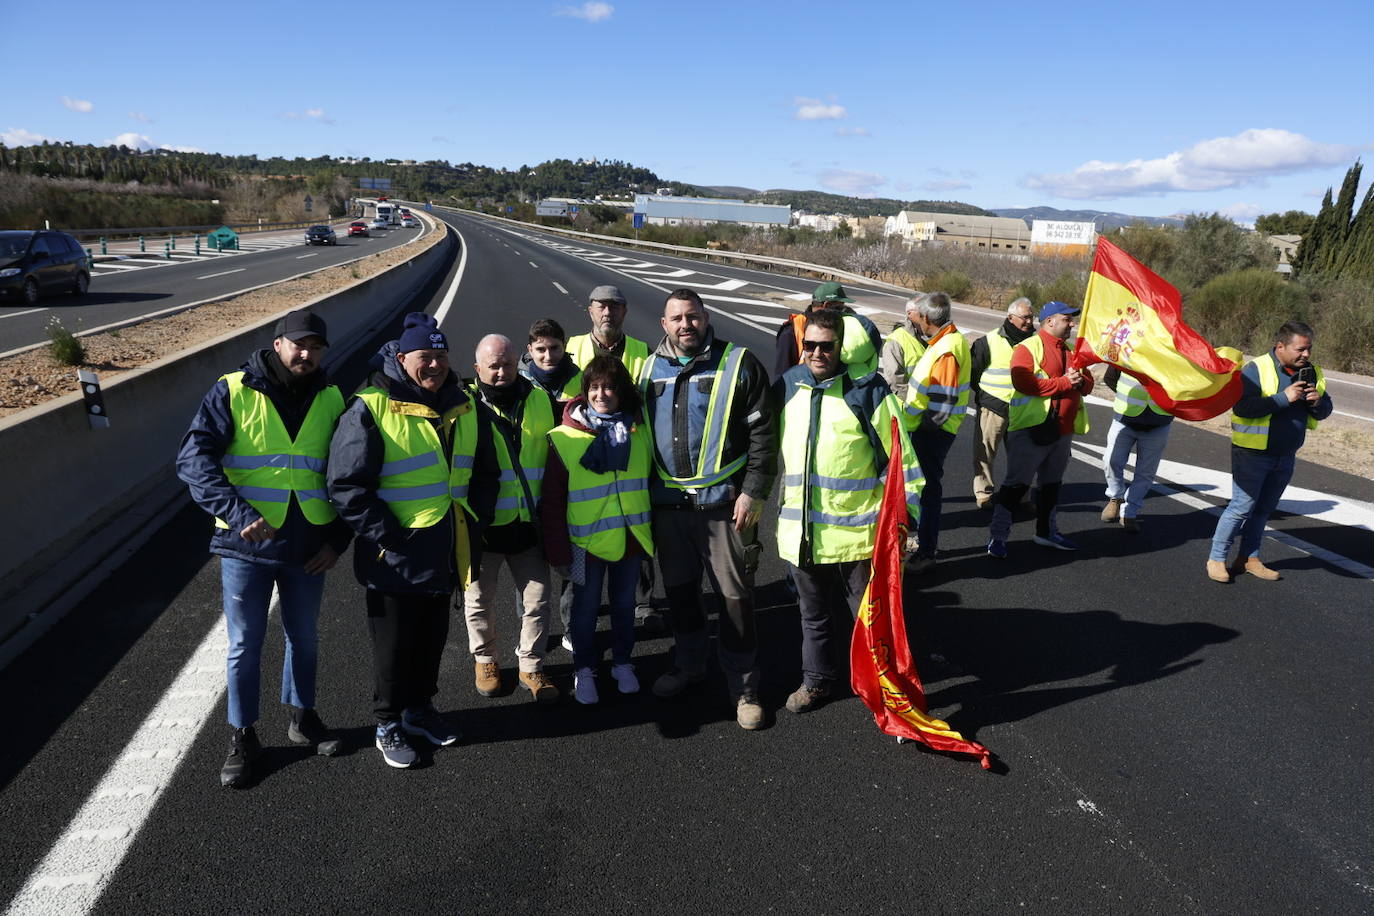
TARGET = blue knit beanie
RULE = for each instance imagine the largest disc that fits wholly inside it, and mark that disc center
(422, 333)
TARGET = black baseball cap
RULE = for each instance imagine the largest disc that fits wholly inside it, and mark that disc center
(300, 324)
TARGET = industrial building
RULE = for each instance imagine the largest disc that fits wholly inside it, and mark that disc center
(697, 211)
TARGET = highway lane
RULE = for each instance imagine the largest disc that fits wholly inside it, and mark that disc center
(116, 299)
(1168, 744)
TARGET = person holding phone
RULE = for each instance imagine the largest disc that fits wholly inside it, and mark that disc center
(1283, 395)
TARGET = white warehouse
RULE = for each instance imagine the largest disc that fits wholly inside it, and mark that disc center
(689, 211)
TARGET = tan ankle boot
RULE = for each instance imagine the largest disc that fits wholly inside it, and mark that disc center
(1257, 569)
(1216, 571)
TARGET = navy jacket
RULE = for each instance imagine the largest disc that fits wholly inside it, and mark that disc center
(198, 465)
(1287, 422)
(388, 556)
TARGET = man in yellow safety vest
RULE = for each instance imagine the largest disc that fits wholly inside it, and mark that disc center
(993, 392)
(254, 458)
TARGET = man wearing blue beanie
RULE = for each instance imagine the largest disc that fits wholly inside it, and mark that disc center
(414, 473)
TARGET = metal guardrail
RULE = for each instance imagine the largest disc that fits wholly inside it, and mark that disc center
(706, 253)
(133, 232)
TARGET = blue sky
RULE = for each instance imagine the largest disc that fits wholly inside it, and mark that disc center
(1152, 109)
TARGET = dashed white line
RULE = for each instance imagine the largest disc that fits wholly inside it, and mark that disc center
(311, 255)
(559, 286)
(31, 311)
(223, 273)
(534, 265)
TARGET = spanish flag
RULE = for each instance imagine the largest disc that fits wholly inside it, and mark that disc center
(881, 669)
(1133, 320)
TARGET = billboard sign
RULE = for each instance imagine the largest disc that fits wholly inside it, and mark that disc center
(550, 208)
(1061, 232)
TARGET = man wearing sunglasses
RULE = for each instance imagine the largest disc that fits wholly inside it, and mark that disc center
(993, 391)
(835, 436)
(860, 343)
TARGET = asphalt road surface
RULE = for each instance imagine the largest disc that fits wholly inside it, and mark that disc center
(1164, 743)
(119, 298)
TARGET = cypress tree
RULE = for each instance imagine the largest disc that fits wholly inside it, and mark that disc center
(1344, 214)
(1357, 255)
(1308, 255)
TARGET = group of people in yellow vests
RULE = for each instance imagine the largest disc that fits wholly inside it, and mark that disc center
(591, 457)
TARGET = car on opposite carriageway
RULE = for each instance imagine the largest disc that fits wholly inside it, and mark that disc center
(359, 227)
(321, 235)
(33, 263)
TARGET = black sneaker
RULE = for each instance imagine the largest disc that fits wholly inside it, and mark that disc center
(427, 723)
(244, 748)
(396, 750)
(306, 728)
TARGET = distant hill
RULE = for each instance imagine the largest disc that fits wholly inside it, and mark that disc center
(1102, 218)
(821, 202)
(729, 190)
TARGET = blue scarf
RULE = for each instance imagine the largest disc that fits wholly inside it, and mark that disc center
(610, 450)
(553, 379)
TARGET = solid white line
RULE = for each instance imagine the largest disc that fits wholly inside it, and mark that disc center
(457, 278)
(80, 864)
(223, 273)
(311, 255)
(1354, 416)
(31, 311)
(557, 286)
(1341, 381)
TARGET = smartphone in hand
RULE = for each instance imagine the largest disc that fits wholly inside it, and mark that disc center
(1307, 375)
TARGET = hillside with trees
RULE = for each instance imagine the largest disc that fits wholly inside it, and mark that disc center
(821, 202)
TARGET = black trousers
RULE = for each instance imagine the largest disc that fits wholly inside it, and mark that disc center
(408, 635)
(825, 591)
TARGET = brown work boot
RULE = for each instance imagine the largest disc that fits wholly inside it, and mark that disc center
(805, 699)
(749, 712)
(1216, 571)
(1112, 511)
(487, 679)
(1254, 567)
(540, 686)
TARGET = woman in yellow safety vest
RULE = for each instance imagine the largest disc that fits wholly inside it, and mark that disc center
(595, 515)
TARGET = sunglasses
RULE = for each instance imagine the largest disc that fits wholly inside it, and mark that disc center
(825, 346)
(1024, 317)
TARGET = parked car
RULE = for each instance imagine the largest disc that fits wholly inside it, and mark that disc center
(358, 228)
(321, 235)
(409, 222)
(34, 263)
(380, 223)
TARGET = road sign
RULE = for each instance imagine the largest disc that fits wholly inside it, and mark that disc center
(510, 209)
(639, 220)
(309, 203)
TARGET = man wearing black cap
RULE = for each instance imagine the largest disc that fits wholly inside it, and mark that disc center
(860, 347)
(412, 470)
(1043, 419)
(254, 458)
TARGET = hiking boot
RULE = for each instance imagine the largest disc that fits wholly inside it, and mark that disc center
(1112, 511)
(244, 748)
(306, 728)
(1254, 567)
(584, 687)
(396, 750)
(1056, 540)
(427, 723)
(675, 681)
(749, 712)
(1216, 571)
(625, 680)
(805, 699)
(997, 548)
(487, 678)
(539, 686)
(1130, 523)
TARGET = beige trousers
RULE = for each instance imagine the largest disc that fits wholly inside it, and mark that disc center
(992, 435)
(531, 575)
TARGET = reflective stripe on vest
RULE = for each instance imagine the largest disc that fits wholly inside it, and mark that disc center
(536, 419)
(582, 351)
(602, 507)
(266, 465)
(918, 392)
(1253, 432)
(912, 349)
(1132, 398)
(419, 482)
(995, 381)
(1029, 410)
(709, 440)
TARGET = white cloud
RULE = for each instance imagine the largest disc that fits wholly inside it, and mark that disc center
(946, 184)
(591, 11)
(852, 132)
(310, 114)
(141, 142)
(140, 117)
(18, 136)
(1242, 213)
(1223, 162)
(817, 110)
(80, 105)
(855, 184)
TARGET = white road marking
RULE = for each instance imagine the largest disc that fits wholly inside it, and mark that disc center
(457, 278)
(223, 273)
(25, 312)
(80, 864)
(559, 287)
(534, 265)
(311, 255)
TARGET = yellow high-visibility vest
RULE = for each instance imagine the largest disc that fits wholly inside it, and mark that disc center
(1253, 432)
(1033, 410)
(603, 507)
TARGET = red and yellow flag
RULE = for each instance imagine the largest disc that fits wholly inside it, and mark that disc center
(881, 669)
(1133, 320)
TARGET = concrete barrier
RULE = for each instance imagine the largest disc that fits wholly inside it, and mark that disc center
(74, 497)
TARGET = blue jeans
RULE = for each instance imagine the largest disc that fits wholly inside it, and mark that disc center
(1257, 481)
(247, 594)
(620, 579)
(1149, 448)
(931, 447)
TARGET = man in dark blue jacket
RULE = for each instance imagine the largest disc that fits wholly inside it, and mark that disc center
(413, 471)
(254, 459)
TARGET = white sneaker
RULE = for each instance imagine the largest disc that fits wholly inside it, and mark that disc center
(625, 678)
(584, 686)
